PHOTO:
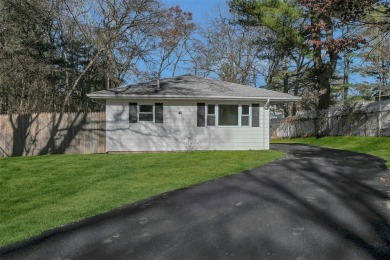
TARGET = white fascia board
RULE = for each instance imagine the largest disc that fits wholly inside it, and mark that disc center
(200, 98)
(274, 101)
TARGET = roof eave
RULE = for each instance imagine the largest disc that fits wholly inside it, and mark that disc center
(274, 100)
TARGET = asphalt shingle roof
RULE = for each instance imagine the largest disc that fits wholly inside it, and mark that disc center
(190, 86)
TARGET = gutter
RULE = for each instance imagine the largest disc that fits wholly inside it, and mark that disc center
(171, 97)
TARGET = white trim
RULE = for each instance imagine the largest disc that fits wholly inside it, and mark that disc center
(239, 115)
(249, 115)
(216, 115)
(197, 98)
(263, 125)
(207, 113)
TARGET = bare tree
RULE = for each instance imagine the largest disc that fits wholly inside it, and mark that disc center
(170, 37)
(377, 59)
(228, 51)
(118, 31)
(56, 51)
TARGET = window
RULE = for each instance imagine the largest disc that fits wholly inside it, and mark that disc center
(228, 115)
(245, 115)
(211, 115)
(149, 113)
(210, 109)
(146, 113)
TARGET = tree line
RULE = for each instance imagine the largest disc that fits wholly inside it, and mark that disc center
(314, 46)
(54, 52)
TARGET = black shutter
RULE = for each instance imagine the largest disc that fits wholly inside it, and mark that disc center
(133, 113)
(159, 113)
(201, 122)
(255, 115)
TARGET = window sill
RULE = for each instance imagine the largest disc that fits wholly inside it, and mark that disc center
(228, 126)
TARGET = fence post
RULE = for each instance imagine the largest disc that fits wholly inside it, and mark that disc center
(379, 119)
(288, 129)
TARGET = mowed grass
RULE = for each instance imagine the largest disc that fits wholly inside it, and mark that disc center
(43, 192)
(378, 146)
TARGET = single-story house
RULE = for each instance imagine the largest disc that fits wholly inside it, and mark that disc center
(188, 113)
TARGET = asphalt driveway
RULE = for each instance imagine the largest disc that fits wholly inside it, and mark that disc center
(315, 203)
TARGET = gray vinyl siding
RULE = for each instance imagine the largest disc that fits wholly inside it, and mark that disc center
(179, 131)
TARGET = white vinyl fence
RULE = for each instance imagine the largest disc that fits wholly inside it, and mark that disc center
(371, 119)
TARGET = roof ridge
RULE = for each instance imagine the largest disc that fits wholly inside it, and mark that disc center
(155, 80)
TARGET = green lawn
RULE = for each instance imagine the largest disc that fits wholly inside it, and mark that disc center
(378, 146)
(43, 192)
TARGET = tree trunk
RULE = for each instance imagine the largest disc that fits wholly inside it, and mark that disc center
(347, 64)
(294, 105)
(324, 87)
(285, 90)
(324, 69)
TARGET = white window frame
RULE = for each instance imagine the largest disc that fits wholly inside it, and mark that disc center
(239, 116)
(139, 112)
(250, 115)
(216, 114)
(207, 109)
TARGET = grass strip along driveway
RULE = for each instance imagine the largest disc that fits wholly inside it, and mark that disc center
(43, 192)
(378, 146)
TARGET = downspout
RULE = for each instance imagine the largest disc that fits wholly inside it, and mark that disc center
(266, 106)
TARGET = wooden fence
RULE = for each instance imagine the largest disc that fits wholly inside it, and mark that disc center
(52, 133)
(368, 120)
